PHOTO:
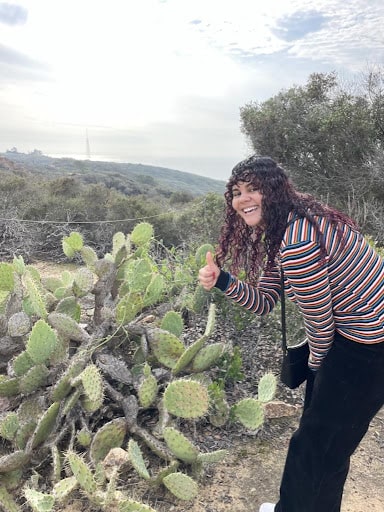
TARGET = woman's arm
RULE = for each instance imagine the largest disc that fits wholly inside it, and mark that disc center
(259, 299)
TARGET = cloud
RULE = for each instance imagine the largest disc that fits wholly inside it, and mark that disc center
(350, 39)
(15, 65)
(12, 14)
(14, 58)
(299, 24)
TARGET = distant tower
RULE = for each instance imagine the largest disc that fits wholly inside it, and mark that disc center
(87, 146)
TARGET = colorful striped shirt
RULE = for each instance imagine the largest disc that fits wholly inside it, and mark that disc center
(343, 293)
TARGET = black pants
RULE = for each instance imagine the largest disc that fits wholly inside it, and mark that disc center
(345, 395)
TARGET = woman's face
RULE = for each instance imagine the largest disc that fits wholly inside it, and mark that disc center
(247, 202)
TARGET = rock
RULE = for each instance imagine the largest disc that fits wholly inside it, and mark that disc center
(278, 409)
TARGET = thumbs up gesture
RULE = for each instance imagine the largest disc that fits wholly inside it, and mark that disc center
(209, 274)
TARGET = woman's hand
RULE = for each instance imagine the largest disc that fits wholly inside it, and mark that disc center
(209, 274)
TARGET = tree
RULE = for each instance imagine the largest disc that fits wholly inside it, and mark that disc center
(325, 136)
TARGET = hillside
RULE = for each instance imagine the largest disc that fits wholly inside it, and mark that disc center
(123, 176)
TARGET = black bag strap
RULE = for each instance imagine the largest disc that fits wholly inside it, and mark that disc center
(282, 296)
(283, 320)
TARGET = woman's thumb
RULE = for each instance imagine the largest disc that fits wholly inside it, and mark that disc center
(209, 259)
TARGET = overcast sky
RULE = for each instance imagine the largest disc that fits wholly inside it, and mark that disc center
(162, 81)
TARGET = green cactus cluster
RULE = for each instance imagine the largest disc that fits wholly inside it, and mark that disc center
(83, 385)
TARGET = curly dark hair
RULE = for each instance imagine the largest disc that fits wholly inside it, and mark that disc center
(254, 249)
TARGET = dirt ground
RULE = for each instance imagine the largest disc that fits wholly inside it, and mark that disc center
(251, 473)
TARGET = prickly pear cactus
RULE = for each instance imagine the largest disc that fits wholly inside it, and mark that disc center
(103, 373)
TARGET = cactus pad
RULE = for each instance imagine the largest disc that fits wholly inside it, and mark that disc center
(220, 410)
(82, 473)
(138, 275)
(186, 399)
(89, 256)
(84, 437)
(39, 501)
(182, 486)
(173, 323)
(35, 298)
(200, 299)
(249, 412)
(110, 435)
(41, 343)
(180, 445)
(33, 379)
(134, 506)
(7, 502)
(63, 386)
(9, 386)
(137, 459)
(68, 327)
(142, 233)
(69, 306)
(212, 457)
(92, 383)
(147, 391)
(12, 480)
(167, 348)
(22, 363)
(15, 460)
(128, 307)
(7, 281)
(201, 254)
(208, 356)
(64, 487)
(45, 425)
(118, 241)
(83, 282)
(154, 291)
(267, 388)
(9, 425)
(187, 356)
(210, 320)
(72, 244)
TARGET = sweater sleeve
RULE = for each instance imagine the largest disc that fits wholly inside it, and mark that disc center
(308, 277)
(259, 299)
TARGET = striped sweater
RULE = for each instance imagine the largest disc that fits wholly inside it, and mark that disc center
(345, 293)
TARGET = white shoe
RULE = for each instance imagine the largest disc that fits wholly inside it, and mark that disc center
(267, 507)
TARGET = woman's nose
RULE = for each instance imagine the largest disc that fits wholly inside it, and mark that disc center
(246, 196)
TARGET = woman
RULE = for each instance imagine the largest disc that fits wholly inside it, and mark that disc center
(337, 281)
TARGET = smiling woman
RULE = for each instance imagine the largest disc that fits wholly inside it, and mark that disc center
(282, 239)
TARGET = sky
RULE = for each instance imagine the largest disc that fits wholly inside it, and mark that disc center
(161, 82)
